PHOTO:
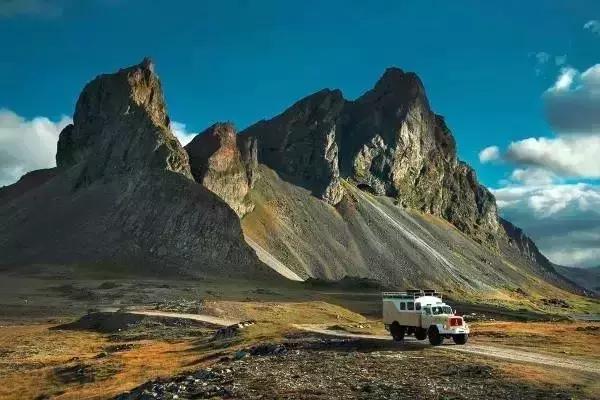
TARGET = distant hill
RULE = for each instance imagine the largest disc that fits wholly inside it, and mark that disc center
(588, 278)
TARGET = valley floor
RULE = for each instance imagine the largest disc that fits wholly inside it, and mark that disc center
(303, 344)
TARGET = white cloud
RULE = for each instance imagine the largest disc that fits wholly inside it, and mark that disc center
(566, 156)
(563, 219)
(532, 176)
(491, 153)
(593, 26)
(548, 199)
(564, 80)
(179, 130)
(572, 104)
(44, 8)
(27, 145)
(575, 257)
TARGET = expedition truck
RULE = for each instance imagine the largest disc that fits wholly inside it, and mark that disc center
(422, 313)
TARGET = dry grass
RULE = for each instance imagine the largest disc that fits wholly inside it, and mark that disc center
(284, 313)
(542, 375)
(32, 356)
(579, 339)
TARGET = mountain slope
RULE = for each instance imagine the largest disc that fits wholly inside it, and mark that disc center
(123, 193)
(370, 236)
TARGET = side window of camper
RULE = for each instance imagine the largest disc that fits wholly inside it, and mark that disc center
(417, 306)
(402, 306)
(427, 310)
(410, 306)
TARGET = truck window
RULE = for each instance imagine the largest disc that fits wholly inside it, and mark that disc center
(402, 306)
(417, 306)
(428, 310)
(410, 305)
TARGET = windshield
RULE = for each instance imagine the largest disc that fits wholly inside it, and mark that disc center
(437, 310)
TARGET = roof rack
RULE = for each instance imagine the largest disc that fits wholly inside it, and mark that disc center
(412, 294)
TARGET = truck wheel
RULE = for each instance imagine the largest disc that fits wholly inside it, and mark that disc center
(460, 339)
(421, 334)
(434, 336)
(397, 331)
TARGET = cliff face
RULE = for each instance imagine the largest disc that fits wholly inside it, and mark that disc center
(219, 165)
(387, 141)
(123, 193)
(524, 245)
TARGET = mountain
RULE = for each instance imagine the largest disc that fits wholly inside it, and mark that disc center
(373, 188)
(122, 193)
(330, 188)
(588, 278)
(387, 141)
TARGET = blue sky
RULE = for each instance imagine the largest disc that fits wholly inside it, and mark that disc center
(486, 68)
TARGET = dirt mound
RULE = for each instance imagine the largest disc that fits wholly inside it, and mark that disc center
(104, 322)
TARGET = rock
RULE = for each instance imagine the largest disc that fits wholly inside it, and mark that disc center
(123, 193)
(232, 330)
(524, 245)
(389, 142)
(301, 143)
(218, 164)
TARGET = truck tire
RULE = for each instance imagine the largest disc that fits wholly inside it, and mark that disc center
(397, 331)
(460, 339)
(434, 336)
(421, 333)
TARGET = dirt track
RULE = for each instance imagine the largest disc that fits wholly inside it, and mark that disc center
(484, 350)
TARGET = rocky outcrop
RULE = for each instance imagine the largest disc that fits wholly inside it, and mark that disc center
(524, 245)
(301, 143)
(387, 141)
(219, 165)
(123, 193)
(121, 126)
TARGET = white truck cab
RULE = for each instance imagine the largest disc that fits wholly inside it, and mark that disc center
(424, 314)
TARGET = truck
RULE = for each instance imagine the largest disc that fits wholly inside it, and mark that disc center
(422, 313)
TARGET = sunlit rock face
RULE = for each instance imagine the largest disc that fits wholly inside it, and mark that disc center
(387, 141)
(224, 166)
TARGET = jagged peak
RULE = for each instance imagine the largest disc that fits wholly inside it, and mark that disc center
(121, 125)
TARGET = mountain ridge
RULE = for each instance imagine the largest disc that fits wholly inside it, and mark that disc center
(125, 191)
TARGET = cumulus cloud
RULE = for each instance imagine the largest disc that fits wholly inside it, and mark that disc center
(26, 145)
(179, 130)
(545, 200)
(542, 194)
(572, 104)
(563, 219)
(532, 176)
(566, 156)
(45, 8)
(593, 26)
(491, 153)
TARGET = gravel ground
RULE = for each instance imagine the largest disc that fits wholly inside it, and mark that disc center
(335, 369)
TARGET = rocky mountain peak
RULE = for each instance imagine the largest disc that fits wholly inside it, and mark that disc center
(121, 125)
(224, 166)
(389, 141)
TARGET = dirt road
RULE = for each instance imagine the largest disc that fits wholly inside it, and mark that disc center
(484, 350)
